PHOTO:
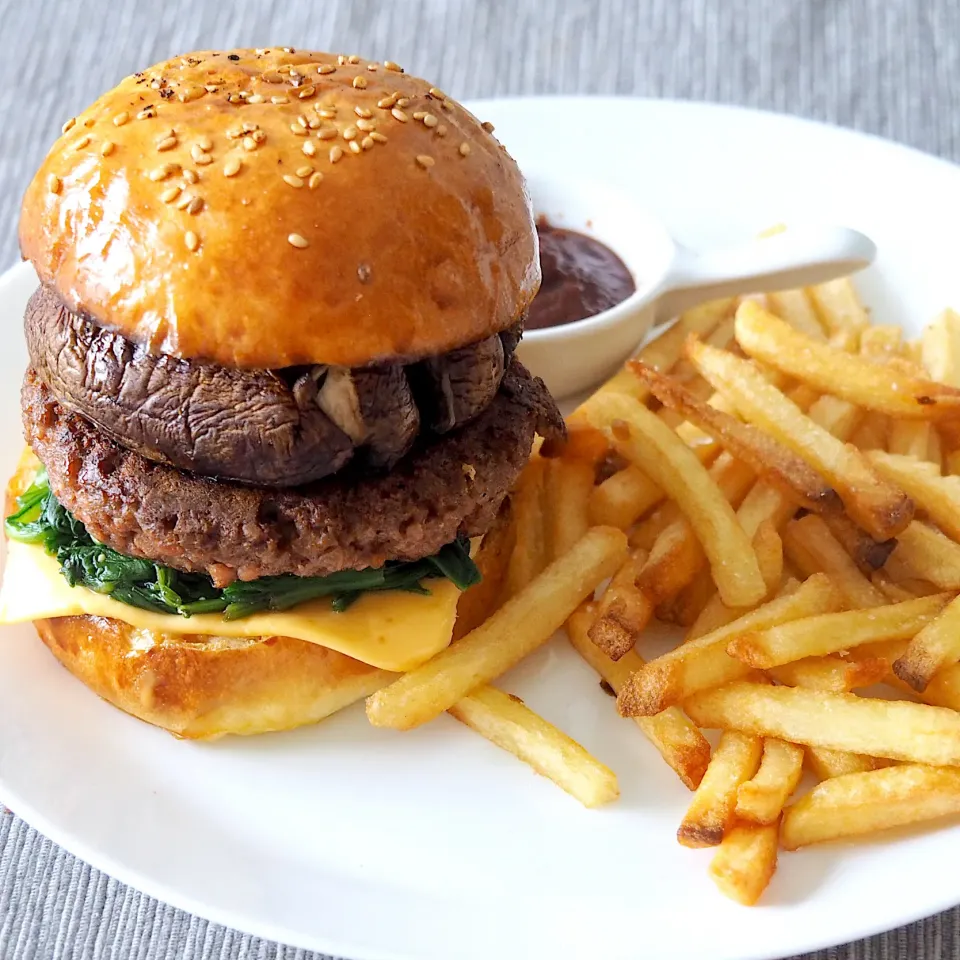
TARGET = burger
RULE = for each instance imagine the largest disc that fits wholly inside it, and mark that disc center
(272, 391)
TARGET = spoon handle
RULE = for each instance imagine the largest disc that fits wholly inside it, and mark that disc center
(796, 257)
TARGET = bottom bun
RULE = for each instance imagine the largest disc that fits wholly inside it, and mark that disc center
(205, 687)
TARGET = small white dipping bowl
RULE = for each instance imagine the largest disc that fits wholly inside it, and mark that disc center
(574, 357)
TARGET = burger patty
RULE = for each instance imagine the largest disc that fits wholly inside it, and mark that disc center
(445, 487)
(279, 428)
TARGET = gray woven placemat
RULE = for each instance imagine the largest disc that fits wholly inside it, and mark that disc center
(885, 66)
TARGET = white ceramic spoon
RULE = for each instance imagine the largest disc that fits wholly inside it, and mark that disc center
(670, 278)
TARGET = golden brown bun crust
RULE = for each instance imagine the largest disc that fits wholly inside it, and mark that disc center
(205, 687)
(414, 246)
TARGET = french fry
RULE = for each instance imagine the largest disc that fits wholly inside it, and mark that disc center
(839, 307)
(911, 438)
(492, 558)
(941, 348)
(872, 432)
(661, 353)
(524, 623)
(679, 742)
(769, 549)
(645, 534)
(762, 798)
(938, 496)
(622, 499)
(868, 554)
(704, 663)
(831, 673)
(863, 382)
(766, 456)
(677, 555)
(811, 547)
(624, 610)
(827, 764)
(795, 308)
(926, 554)
(879, 507)
(711, 811)
(529, 555)
(691, 602)
(894, 592)
(881, 342)
(896, 729)
(568, 487)
(832, 632)
(582, 442)
(745, 862)
(505, 720)
(937, 645)
(863, 803)
(647, 442)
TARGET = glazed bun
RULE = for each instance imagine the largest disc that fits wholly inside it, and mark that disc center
(264, 209)
(205, 687)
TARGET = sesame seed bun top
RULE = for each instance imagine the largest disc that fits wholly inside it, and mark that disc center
(277, 207)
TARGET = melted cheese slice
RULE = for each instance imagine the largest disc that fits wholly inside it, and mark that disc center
(391, 630)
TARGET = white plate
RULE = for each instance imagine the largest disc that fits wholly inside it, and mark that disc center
(434, 844)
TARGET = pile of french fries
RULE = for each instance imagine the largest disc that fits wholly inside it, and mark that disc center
(780, 480)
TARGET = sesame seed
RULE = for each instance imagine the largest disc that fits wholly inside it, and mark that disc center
(292, 180)
(350, 133)
(399, 115)
(315, 180)
(271, 76)
(234, 133)
(184, 202)
(366, 125)
(106, 148)
(191, 176)
(210, 87)
(192, 241)
(390, 65)
(295, 240)
(299, 131)
(387, 102)
(327, 133)
(232, 167)
(170, 194)
(278, 100)
(147, 113)
(255, 98)
(335, 154)
(441, 130)
(354, 146)
(341, 59)
(359, 83)
(328, 113)
(202, 159)
(197, 153)
(378, 137)
(195, 206)
(258, 136)
(464, 149)
(403, 102)
(121, 118)
(54, 183)
(249, 143)
(304, 171)
(353, 58)
(307, 92)
(302, 120)
(363, 112)
(249, 127)
(425, 161)
(447, 104)
(205, 144)
(84, 141)
(366, 143)
(68, 125)
(161, 173)
(326, 68)
(309, 149)
(372, 67)
(430, 120)
(488, 126)
(419, 114)
(438, 93)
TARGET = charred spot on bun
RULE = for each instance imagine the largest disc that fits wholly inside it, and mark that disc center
(272, 389)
